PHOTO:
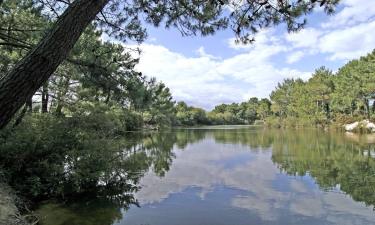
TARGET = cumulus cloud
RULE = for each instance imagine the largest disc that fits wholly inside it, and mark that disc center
(353, 12)
(344, 36)
(350, 42)
(205, 80)
(305, 38)
(339, 44)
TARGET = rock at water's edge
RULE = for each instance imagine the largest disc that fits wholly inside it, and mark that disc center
(364, 124)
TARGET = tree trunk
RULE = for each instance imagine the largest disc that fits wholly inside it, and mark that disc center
(29, 104)
(36, 67)
(367, 106)
(18, 120)
(45, 98)
(328, 110)
(108, 97)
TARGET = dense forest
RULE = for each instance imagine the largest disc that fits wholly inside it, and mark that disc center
(98, 86)
(43, 35)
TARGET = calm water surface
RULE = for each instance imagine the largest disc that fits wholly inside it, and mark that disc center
(235, 175)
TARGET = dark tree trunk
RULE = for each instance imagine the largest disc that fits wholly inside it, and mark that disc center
(45, 98)
(28, 108)
(37, 66)
(108, 97)
(29, 104)
(18, 120)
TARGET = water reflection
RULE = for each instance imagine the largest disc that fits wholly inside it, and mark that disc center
(95, 212)
(230, 176)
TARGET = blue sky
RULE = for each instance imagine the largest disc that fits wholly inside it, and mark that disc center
(206, 71)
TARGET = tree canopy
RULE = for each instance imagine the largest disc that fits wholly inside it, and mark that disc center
(327, 97)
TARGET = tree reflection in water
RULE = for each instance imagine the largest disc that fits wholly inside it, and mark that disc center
(97, 183)
(334, 160)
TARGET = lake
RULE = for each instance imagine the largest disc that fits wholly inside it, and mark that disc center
(232, 175)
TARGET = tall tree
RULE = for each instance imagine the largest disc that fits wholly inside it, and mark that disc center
(37, 66)
(281, 97)
(355, 86)
(320, 88)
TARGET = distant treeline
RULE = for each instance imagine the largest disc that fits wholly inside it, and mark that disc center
(235, 113)
(326, 98)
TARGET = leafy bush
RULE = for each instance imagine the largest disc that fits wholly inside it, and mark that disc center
(57, 156)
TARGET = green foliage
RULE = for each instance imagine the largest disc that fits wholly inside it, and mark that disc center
(161, 109)
(189, 116)
(21, 27)
(327, 98)
(355, 87)
(243, 113)
(62, 157)
(97, 80)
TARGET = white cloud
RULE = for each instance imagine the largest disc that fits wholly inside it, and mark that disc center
(305, 38)
(202, 53)
(347, 35)
(354, 11)
(349, 43)
(206, 80)
(295, 56)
